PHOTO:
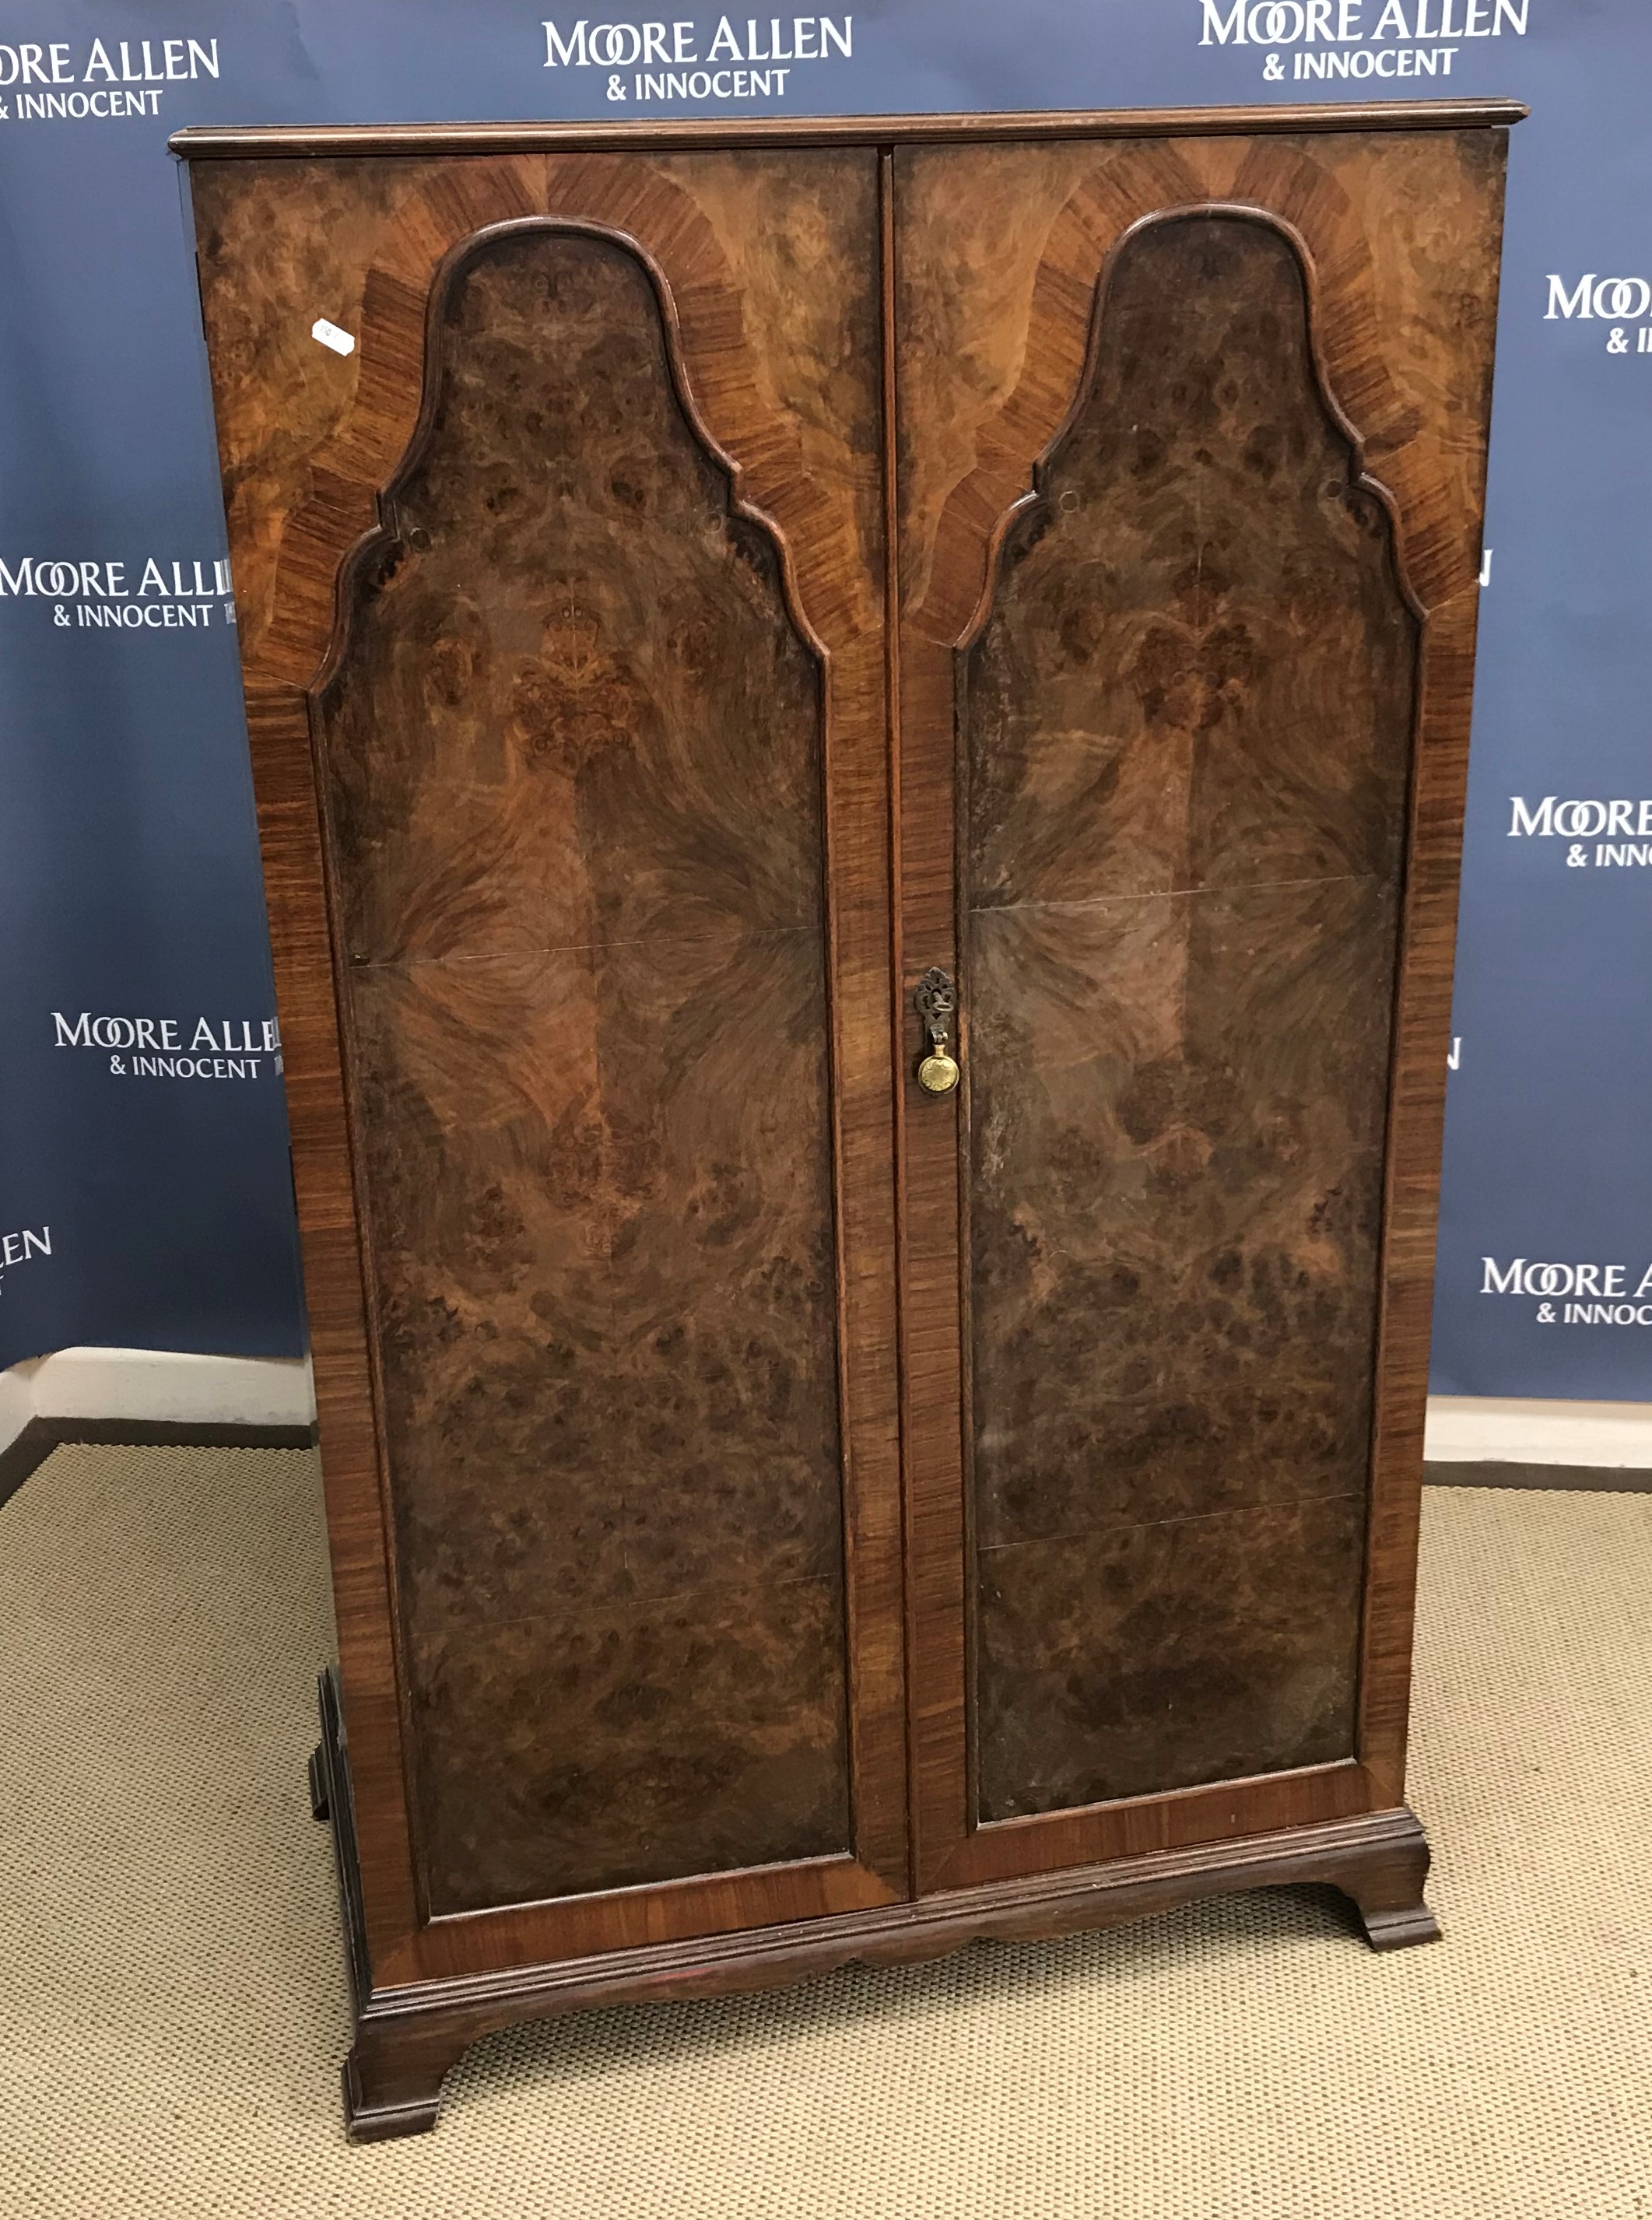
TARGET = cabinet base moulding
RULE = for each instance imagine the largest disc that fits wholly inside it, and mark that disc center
(407, 2040)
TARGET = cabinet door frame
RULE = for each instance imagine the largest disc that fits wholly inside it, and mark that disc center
(1433, 498)
(347, 503)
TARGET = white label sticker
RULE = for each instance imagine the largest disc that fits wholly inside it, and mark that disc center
(331, 336)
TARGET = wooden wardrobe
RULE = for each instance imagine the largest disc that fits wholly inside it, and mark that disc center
(859, 730)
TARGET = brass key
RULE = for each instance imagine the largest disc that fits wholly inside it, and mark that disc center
(936, 999)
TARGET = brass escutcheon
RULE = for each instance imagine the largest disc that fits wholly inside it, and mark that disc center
(935, 999)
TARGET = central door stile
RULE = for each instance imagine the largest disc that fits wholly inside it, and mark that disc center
(929, 1120)
(841, 568)
(913, 1617)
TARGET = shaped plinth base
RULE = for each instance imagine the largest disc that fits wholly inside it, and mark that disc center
(1387, 1892)
(393, 2080)
(408, 2038)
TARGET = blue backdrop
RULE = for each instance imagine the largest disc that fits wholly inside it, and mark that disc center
(144, 1189)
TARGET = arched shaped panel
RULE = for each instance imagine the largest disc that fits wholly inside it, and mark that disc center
(1185, 741)
(571, 755)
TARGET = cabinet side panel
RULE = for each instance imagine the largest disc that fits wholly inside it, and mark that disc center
(573, 773)
(1186, 737)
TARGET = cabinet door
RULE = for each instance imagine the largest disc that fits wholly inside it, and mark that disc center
(590, 1067)
(1192, 442)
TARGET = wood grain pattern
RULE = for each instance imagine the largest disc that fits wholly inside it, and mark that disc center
(769, 274)
(406, 2042)
(1185, 740)
(303, 141)
(962, 256)
(573, 783)
(1000, 253)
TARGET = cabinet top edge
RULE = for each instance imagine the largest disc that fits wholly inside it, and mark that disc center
(202, 142)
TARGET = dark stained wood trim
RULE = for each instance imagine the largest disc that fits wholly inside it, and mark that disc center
(1584, 1479)
(205, 142)
(295, 889)
(1422, 1011)
(25, 1453)
(1444, 574)
(407, 2039)
(889, 421)
(330, 1772)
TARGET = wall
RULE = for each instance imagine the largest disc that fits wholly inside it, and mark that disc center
(144, 1190)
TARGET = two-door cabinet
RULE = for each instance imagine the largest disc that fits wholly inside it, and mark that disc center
(859, 732)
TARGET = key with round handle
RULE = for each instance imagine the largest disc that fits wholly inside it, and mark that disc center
(936, 1000)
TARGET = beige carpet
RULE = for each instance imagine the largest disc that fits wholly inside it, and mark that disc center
(172, 2002)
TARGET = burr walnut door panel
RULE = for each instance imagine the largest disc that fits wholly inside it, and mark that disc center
(1168, 627)
(600, 765)
(574, 776)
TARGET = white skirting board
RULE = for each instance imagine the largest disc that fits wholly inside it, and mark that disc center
(1485, 1430)
(149, 1384)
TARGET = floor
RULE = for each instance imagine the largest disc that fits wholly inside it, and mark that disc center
(172, 2006)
